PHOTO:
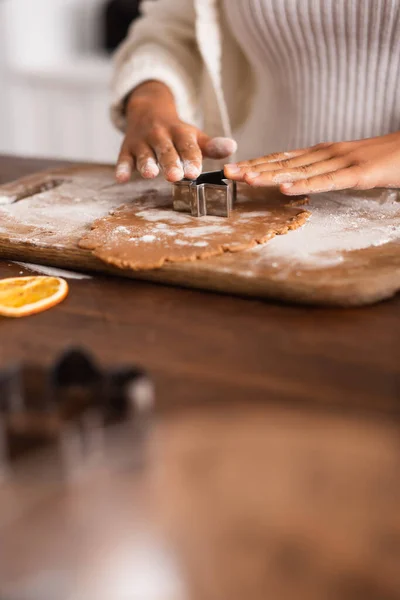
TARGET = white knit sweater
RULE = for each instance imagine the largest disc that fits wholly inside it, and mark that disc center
(279, 74)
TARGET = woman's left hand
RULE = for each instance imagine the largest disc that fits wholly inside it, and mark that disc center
(360, 165)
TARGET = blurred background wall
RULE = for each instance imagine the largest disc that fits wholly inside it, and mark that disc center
(55, 72)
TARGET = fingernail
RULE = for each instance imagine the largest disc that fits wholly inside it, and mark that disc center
(191, 170)
(252, 175)
(150, 168)
(286, 186)
(233, 169)
(123, 170)
(176, 174)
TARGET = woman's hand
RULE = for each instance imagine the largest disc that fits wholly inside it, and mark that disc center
(156, 137)
(360, 165)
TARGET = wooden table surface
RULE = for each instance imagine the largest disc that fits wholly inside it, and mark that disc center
(206, 351)
(204, 347)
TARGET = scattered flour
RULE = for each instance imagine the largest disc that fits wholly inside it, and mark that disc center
(339, 222)
(148, 238)
(39, 220)
(206, 230)
(7, 200)
(52, 272)
(255, 214)
(122, 229)
(154, 214)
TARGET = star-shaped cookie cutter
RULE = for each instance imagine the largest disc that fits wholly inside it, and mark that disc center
(210, 194)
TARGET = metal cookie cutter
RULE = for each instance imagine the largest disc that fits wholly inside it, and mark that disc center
(210, 194)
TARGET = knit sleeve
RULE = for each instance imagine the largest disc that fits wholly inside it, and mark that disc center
(161, 45)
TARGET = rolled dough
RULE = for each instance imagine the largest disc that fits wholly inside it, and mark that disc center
(148, 233)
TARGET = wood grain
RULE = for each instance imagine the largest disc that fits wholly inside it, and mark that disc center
(274, 469)
(266, 502)
(257, 501)
(203, 347)
(363, 277)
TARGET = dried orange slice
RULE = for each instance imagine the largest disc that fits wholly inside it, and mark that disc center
(23, 296)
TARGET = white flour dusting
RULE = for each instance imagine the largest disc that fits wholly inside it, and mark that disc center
(7, 200)
(206, 230)
(255, 214)
(50, 225)
(340, 222)
(122, 229)
(39, 220)
(154, 215)
(52, 271)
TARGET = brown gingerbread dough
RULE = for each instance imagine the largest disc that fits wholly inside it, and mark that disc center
(148, 233)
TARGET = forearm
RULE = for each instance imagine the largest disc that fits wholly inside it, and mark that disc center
(161, 46)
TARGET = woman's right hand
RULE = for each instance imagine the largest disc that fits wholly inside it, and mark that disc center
(156, 138)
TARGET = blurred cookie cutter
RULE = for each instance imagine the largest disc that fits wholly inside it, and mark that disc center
(210, 194)
(76, 400)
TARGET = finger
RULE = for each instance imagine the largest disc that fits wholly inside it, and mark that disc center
(260, 178)
(280, 156)
(301, 156)
(274, 157)
(167, 155)
(189, 152)
(281, 166)
(146, 163)
(232, 171)
(348, 178)
(303, 160)
(125, 166)
(218, 147)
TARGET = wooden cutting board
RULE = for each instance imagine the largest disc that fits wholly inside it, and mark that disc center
(347, 254)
